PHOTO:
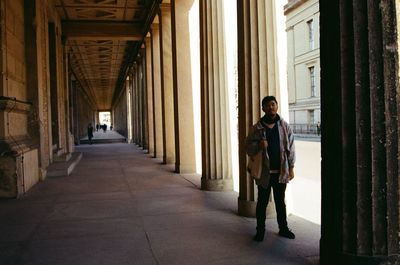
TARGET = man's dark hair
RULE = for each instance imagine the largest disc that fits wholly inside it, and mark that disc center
(268, 99)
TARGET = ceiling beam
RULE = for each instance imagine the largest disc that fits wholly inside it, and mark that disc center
(88, 30)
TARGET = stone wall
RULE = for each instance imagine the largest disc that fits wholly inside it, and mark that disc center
(25, 107)
(18, 150)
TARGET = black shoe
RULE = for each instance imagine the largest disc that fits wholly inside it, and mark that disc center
(259, 237)
(287, 233)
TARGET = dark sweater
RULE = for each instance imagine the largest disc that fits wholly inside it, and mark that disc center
(273, 149)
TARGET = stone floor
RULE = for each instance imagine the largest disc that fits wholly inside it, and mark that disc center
(120, 206)
(102, 137)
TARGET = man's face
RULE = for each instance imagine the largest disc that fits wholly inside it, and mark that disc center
(270, 108)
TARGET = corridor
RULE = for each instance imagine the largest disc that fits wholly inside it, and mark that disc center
(120, 206)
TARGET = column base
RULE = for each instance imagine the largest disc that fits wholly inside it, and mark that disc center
(168, 160)
(186, 168)
(329, 256)
(217, 184)
(246, 208)
(369, 260)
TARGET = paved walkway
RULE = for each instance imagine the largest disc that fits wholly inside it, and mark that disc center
(104, 137)
(122, 207)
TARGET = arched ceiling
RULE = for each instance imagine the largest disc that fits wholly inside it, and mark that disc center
(103, 37)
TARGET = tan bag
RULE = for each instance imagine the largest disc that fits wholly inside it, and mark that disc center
(255, 165)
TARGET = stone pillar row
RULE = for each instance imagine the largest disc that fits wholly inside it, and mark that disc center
(168, 81)
(171, 87)
(360, 184)
(138, 94)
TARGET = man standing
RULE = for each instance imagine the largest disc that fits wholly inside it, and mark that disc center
(274, 137)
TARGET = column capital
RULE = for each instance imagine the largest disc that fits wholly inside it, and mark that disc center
(246, 208)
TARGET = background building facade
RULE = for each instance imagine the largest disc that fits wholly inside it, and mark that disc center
(302, 27)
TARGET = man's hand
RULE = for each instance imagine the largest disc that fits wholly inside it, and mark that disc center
(291, 173)
(263, 144)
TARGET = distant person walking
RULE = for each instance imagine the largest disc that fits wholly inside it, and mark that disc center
(319, 128)
(104, 127)
(90, 132)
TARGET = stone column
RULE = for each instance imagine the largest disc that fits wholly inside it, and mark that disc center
(44, 89)
(149, 89)
(217, 168)
(143, 99)
(62, 105)
(129, 107)
(157, 111)
(67, 82)
(137, 102)
(133, 101)
(360, 190)
(139, 99)
(257, 70)
(167, 84)
(132, 82)
(55, 95)
(71, 107)
(186, 82)
(74, 96)
(247, 99)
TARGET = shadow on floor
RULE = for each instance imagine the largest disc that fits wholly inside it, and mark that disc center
(120, 207)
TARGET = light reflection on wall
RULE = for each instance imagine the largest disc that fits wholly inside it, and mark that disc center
(232, 83)
(194, 32)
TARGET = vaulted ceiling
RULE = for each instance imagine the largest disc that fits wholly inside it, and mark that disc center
(103, 38)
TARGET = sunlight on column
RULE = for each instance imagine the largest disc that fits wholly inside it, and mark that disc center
(230, 22)
(194, 32)
(129, 116)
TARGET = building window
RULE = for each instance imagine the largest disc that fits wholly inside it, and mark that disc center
(310, 25)
(311, 117)
(312, 80)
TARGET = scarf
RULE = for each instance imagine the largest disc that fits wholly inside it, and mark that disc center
(266, 119)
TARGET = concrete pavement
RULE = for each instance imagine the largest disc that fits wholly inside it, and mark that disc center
(305, 188)
(120, 206)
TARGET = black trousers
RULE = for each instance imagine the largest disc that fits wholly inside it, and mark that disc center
(262, 203)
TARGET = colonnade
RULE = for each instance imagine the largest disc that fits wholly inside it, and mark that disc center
(168, 101)
(186, 93)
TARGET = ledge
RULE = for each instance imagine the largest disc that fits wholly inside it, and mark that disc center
(14, 146)
(292, 5)
(13, 105)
